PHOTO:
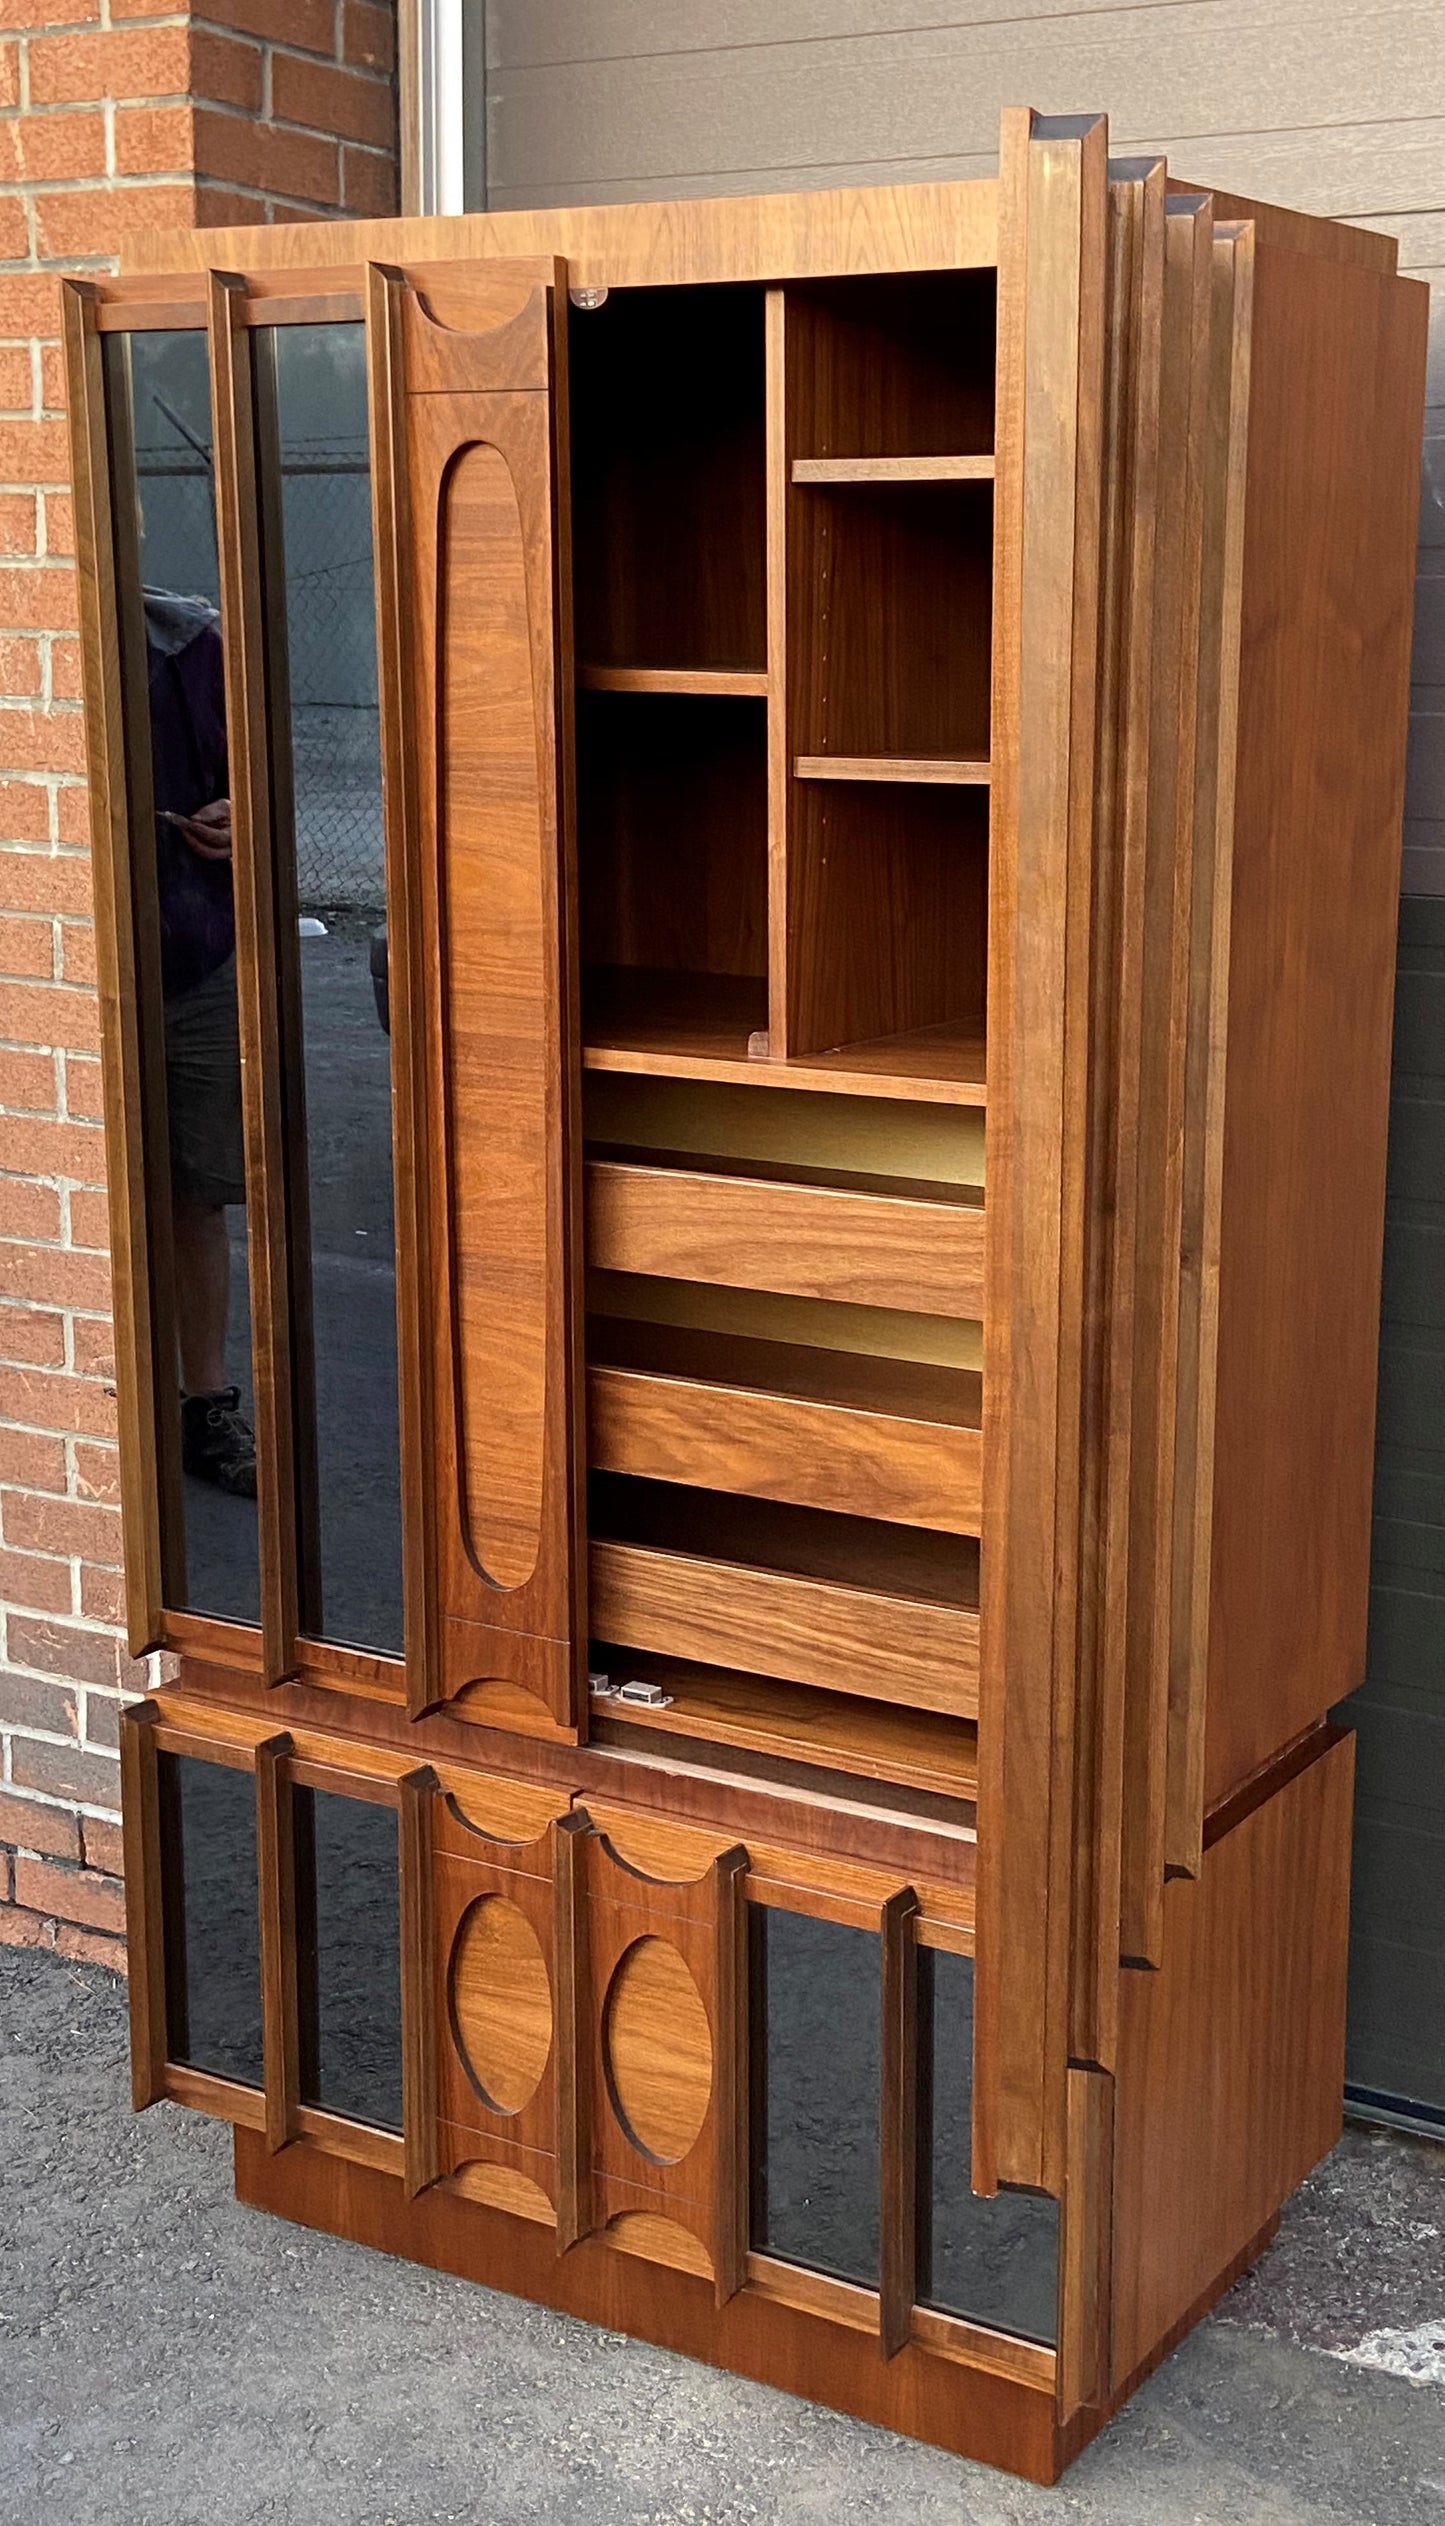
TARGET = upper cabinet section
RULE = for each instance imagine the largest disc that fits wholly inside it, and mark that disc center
(331, 766)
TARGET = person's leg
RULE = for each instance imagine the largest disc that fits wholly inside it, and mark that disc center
(203, 1294)
(203, 1097)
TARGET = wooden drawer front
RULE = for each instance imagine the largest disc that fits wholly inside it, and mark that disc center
(805, 1240)
(782, 1447)
(847, 1640)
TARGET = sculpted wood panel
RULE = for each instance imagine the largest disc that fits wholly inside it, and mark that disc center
(500, 2002)
(667, 1980)
(482, 615)
(499, 955)
(657, 2046)
(500, 1995)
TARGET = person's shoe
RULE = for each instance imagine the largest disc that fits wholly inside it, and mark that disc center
(217, 1443)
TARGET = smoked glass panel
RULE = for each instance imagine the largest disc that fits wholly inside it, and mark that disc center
(210, 1917)
(315, 472)
(159, 415)
(994, 2261)
(348, 1956)
(816, 2073)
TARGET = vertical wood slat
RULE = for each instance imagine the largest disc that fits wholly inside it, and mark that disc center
(780, 769)
(405, 984)
(1198, 1333)
(1086, 2243)
(1135, 304)
(122, 831)
(571, 2037)
(898, 2123)
(1048, 487)
(730, 2078)
(1164, 998)
(416, 1792)
(243, 627)
(276, 1897)
(144, 1920)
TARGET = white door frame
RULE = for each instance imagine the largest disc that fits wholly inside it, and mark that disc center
(440, 69)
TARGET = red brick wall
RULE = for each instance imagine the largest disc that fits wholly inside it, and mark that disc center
(114, 115)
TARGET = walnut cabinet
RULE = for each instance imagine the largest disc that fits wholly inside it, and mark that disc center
(759, 1768)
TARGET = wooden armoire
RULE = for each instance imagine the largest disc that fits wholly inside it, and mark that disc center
(886, 723)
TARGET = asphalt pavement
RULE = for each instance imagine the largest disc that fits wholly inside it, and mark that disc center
(168, 2358)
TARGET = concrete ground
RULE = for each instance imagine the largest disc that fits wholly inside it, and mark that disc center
(170, 2359)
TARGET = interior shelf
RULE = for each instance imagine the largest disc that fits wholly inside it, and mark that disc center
(917, 1749)
(845, 469)
(741, 682)
(892, 1439)
(958, 770)
(714, 1026)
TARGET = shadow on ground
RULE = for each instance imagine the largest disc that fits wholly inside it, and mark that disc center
(168, 2358)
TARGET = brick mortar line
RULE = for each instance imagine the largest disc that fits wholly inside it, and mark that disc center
(186, 22)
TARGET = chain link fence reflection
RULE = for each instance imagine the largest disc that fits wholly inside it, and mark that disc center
(330, 630)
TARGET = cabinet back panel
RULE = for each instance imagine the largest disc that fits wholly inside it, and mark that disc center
(887, 911)
(672, 832)
(667, 478)
(902, 367)
(891, 604)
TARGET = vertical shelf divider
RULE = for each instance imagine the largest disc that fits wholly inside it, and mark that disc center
(780, 772)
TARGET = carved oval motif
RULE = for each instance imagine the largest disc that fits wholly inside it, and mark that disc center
(496, 826)
(500, 2001)
(657, 2046)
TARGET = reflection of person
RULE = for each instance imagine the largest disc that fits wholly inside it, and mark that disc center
(198, 981)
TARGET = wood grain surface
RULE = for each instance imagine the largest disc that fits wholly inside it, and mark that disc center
(814, 1241)
(1335, 404)
(842, 1639)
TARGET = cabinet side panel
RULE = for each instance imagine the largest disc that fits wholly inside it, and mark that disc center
(1332, 488)
(1231, 2056)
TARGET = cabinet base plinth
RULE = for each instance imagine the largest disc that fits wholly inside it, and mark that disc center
(940, 2398)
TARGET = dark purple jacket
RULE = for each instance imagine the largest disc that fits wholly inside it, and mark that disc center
(188, 769)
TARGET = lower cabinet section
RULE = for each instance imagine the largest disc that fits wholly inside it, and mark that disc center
(713, 2090)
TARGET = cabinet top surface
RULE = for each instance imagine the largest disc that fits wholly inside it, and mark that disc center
(754, 237)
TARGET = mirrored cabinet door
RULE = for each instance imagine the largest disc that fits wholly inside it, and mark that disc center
(183, 954)
(324, 753)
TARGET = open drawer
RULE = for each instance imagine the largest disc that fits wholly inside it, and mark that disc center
(738, 1223)
(878, 1438)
